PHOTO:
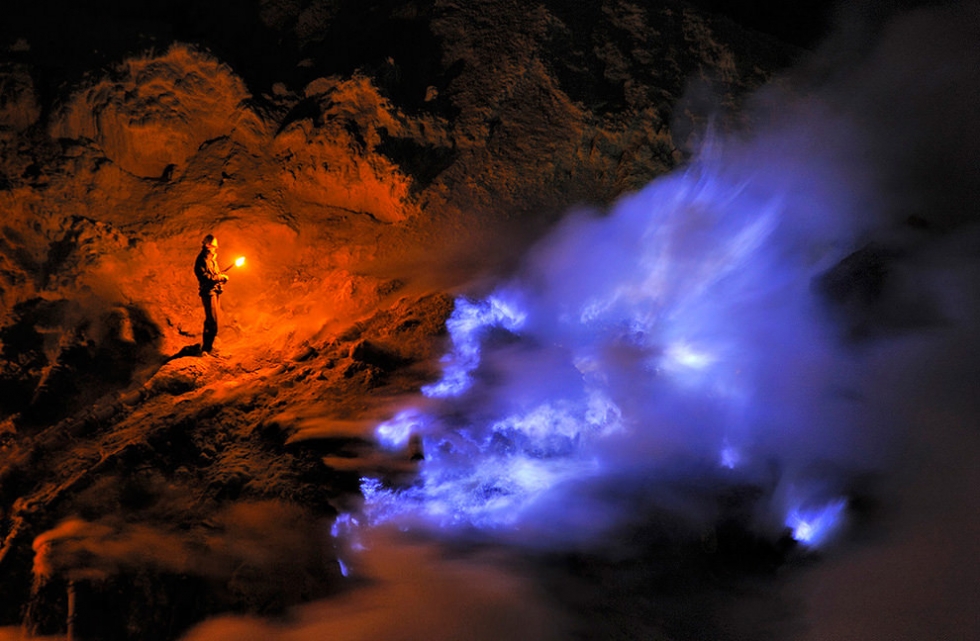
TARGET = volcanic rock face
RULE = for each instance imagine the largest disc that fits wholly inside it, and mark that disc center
(18, 106)
(358, 198)
(156, 113)
(136, 166)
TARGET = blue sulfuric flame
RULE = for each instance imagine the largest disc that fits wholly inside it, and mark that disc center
(815, 526)
(394, 433)
(729, 457)
(678, 329)
(466, 327)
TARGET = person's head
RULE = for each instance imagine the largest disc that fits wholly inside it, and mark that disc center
(210, 242)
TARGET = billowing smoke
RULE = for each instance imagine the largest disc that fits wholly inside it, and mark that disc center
(731, 324)
(415, 593)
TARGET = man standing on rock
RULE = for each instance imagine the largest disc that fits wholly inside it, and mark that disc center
(210, 278)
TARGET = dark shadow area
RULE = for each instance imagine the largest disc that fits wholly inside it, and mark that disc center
(573, 56)
(59, 356)
(65, 42)
(666, 577)
(187, 351)
(392, 42)
(601, 54)
(804, 23)
(306, 109)
(801, 23)
(423, 163)
(873, 293)
(152, 606)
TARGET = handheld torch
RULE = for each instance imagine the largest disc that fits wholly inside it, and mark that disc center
(238, 263)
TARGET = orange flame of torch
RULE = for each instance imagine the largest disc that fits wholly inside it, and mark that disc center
(238, 263)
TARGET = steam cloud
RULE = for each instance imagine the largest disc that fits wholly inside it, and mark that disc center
(415, 593)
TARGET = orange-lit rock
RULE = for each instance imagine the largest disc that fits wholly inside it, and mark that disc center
(155, 112)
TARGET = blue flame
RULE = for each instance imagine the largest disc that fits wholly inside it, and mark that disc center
(816, 525)
(394, 433)
(730, 457)
(467, 326)
(678, 328)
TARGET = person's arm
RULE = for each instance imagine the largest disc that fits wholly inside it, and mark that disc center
(207, 271)
(215, 274)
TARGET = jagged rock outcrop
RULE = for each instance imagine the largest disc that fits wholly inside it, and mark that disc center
(152, 114)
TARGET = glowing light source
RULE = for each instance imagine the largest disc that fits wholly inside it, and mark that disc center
(730, 457)
(238, 263)
(687, 356)
(394, 433)
(814, 526)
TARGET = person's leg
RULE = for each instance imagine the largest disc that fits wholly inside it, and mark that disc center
(210, 302)
(215, 312)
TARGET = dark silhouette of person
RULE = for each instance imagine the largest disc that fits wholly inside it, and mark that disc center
(210, 279)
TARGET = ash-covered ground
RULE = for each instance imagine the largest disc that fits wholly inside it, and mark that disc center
(807, 211)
